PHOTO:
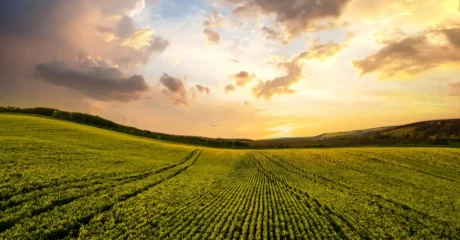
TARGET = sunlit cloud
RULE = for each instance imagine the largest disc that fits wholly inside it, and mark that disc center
(414, 54)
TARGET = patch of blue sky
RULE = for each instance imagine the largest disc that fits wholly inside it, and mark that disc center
(180, 8)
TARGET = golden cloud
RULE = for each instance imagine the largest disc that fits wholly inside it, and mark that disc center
(414, 54)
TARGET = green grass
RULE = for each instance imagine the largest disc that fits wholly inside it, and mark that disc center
(60, 180)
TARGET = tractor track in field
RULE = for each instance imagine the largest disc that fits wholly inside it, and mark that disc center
(75, 230)
(402, 206)
(388, 179)
(112, 181)
(5, 225)
(84, 182)
(363, 154)
(314, 202)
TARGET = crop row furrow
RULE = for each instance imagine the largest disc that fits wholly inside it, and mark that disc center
(40, 190)
(310, 204)
(194, 155)
(392, 206)
(363, 154)
(67, 219)
(187, 215)
(208, 214)
(159, 210)
(389, 179)
(30, 204)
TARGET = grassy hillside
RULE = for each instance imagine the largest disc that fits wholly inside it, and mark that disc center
(436, 132)
(60, 180)
(97, 121)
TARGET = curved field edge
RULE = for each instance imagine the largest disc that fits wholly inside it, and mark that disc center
(98, 122)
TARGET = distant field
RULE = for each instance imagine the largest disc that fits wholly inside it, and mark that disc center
(60, 180)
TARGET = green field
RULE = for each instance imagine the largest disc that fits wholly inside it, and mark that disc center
(61, 180)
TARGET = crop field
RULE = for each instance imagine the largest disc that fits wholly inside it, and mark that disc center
(60, 180)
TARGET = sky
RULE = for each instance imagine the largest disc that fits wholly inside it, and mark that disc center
(235, 68)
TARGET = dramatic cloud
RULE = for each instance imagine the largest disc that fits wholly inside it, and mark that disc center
(213, 20)
(37, 32)
(414, 54)
(125, 27)
(102, 83)
(295, 17)
(281, 85)
(175, 89)
(229, 88)
(203, 89)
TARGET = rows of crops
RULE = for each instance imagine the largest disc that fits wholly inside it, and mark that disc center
(59, 180)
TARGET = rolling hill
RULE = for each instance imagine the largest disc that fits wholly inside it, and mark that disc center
(433, 132)
(97, 121)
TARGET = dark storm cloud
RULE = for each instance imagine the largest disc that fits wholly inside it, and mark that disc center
(294, 16)
(413, 54)
(97, 82)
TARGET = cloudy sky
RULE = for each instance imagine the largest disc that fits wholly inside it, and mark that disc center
(235, 68)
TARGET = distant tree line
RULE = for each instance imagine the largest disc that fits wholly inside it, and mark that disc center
(97, 121)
